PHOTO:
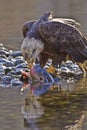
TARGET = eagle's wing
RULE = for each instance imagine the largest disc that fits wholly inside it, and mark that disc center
(67, 21)
(26, 27)
(62, 37)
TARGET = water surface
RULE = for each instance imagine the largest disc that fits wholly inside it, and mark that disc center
(58, 109)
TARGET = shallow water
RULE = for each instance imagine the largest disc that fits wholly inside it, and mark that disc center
(62, 108)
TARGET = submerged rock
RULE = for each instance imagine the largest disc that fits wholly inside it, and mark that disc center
(2, 69)
(19, 61)
(6, 79)
(4, 52)
(12, 64)
(22, 65)
(16, 82)
(16, 54)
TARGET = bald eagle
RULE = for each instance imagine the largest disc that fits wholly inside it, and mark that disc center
(54, 38)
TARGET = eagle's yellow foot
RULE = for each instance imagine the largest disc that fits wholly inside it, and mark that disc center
(83, 67)
(51, 70)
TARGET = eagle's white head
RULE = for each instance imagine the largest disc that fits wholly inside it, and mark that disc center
(31, 48)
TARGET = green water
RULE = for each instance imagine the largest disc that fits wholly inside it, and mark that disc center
(58, 109)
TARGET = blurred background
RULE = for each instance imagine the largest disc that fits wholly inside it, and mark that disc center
(13, 13)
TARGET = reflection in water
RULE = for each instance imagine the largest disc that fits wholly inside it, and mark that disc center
(57, 110)
(31, 111)
(66, 85)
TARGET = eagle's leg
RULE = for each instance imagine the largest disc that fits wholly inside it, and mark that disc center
(83, 67)
(43, 57)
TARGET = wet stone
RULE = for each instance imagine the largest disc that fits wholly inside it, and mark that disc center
(12, 64)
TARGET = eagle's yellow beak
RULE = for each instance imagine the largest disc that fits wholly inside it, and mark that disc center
(30, 63)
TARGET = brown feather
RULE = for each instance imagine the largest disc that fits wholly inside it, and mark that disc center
(65, 38)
